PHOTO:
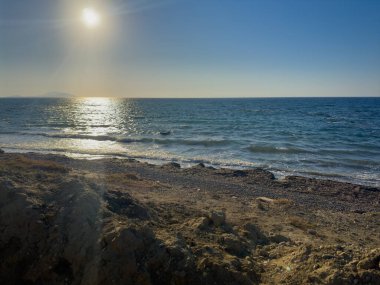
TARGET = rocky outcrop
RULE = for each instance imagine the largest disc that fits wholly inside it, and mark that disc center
(97, 223)
(78, 232)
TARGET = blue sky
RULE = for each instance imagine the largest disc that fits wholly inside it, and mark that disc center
(184, 48)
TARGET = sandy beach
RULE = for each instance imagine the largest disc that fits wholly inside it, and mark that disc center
(120, 221)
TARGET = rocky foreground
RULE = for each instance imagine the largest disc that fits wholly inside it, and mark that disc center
(111, 221)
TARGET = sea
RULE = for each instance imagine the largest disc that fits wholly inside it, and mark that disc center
(330, 138)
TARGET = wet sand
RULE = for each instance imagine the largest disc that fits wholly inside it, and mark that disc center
(113, 221)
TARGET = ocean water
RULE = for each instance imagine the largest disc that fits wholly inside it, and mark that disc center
(335, 138)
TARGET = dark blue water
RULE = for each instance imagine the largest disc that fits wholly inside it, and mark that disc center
(338, 138)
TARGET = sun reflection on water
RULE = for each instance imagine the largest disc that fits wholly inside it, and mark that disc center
(98, 122)
(98, 116)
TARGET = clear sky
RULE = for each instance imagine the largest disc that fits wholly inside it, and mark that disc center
(191, 48)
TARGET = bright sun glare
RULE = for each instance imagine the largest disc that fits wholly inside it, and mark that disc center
(90, 17)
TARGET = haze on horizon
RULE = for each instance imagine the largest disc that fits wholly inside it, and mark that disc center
(184, 48)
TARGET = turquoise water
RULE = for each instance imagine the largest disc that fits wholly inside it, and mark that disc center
(338, 138)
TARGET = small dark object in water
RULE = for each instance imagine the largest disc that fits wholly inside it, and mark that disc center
(1, 151)
(165, 133)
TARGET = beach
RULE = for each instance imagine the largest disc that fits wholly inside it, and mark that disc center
(121, 221)
(213, 142)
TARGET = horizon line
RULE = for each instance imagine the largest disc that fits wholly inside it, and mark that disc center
(243, 97)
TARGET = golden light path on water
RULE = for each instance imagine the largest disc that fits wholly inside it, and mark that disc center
(104, 126)
(96, 118)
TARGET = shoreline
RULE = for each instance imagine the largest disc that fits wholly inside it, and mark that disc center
(172, 170)
(278, 173)
(120, 221)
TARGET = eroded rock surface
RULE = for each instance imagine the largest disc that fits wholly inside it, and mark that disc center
(72, 222)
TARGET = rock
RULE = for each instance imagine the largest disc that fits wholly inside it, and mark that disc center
(93, 229)
(218, 218)
(240, 173)
(131, 176)
(262, 206)
(122, 203)
(199, 223)
(1, 151)
(175, 165)
(278, 238)
(233, 245)
(371, 261)
(344, 255)
(263, 252)
(359, 211)
(312, 232)
(172, 164)
(265, 199)
(339, 247)
(367, 263)
(262, 174)
(253, 233)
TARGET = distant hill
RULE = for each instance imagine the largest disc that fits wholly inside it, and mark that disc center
(53, 94)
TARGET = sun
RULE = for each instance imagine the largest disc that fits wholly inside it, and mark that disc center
(90, 17)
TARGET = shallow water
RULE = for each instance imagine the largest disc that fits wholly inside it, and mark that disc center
(338, 138)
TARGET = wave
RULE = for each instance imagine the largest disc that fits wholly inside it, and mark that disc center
(142, 140)
(267, 149)
(156, 158)
(8, 132)
(177, 141)
(274, 149)
(67, 136)
(345, 152)
(120, 139)
(78, 136)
